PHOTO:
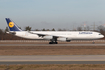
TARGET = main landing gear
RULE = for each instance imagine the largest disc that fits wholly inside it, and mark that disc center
(53, 42)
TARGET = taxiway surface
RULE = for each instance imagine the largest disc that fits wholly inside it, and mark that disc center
(53, 59)
(52, 44)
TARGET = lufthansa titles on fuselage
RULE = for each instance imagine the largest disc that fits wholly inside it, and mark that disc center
(85, 33)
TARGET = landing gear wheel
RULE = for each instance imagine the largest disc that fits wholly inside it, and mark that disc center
(56, 42)
(53, 42)
(93, 42)
(50, 43)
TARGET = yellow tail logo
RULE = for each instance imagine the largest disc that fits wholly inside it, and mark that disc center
(11, 24)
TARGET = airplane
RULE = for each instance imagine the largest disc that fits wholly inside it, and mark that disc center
(53, 36)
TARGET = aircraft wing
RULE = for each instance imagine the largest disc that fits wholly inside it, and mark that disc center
(53, 37)
(42, 35)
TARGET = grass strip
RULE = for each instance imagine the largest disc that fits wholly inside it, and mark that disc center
(54, 67)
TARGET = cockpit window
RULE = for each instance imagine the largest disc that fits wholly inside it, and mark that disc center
(100, 34)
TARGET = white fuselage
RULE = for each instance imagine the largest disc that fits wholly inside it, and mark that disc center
(53, 36)
(72, 35)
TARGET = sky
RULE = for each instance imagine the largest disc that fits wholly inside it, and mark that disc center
(48, 14)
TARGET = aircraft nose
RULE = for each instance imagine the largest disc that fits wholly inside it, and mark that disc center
(101, 36)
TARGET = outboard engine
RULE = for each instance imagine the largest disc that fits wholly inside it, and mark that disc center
(13, 33)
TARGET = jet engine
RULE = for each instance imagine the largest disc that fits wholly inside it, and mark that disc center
(63, 39)
(48, 37)
(13, 33)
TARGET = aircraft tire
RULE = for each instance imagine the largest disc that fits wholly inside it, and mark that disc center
(53, 42)
(50, 43)
(56, 42)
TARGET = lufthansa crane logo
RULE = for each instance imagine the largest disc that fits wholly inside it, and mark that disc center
(11, 24)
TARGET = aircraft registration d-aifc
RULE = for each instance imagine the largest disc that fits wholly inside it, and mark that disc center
(53, 36)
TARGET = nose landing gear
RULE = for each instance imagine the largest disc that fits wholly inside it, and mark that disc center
(93, 42)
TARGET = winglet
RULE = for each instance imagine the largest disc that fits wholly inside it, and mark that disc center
(12, 26)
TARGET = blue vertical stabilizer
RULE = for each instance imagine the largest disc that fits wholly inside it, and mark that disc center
(12, 26)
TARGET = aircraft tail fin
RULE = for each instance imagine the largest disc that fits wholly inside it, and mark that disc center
(12, 26)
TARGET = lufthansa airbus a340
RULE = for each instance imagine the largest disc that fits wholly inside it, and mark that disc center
(53, 36)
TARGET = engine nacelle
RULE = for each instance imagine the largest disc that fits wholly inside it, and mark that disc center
(63, 39)
(13, 33)
(48, 37)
